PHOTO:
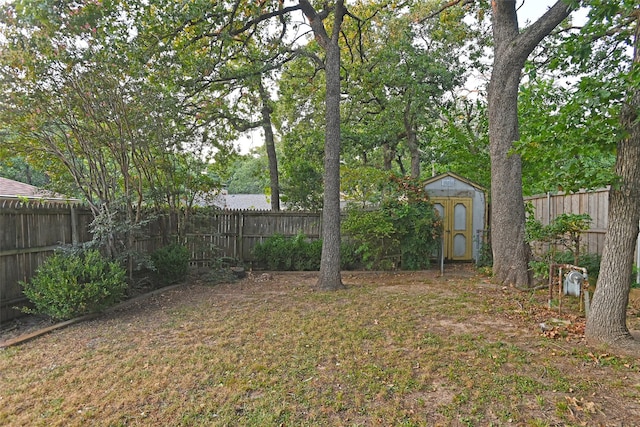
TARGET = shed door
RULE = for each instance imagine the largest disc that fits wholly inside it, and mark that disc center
(456, 214)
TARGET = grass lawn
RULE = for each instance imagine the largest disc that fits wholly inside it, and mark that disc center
(394, 349)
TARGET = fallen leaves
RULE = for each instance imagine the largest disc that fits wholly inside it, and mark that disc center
(581, 405)
(563, 328)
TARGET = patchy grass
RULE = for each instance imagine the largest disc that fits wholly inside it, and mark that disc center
(401, 349)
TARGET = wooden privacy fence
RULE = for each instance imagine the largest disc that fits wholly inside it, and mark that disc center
(594, 203)
(234, 234)
(31, 231)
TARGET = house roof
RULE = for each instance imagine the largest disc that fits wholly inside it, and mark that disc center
(11, 188)
(258, 202)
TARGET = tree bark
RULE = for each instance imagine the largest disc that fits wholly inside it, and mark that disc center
(511, 253)
(608, 314)
(330, 277)
(389, 153)
(270, 146)
(412, 141)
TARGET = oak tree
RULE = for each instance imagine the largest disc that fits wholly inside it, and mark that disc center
(512, 47)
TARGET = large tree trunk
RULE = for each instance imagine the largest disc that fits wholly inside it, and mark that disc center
(511, 253)
(329, 277)
(270, 145)
(330, 263)
(608, 314)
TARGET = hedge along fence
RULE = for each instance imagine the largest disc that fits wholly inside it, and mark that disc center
(32, 230)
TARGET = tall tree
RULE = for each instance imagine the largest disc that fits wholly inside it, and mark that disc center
(462, 141)
(607, 317)
(401, 74)
(330, 277)
(18, 169)
(511, 253)
(233, 30)
(397, 76)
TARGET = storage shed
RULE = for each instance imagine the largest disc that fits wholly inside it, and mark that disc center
(462, 205)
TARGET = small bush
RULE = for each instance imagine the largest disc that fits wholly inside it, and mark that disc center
(171, 263)
(279, 253)
(350, 259)
(308, 254)
(590, 261)
(274, 253)
(372, 235)
(75, 284)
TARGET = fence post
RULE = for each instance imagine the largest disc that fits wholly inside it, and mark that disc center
(74, 226)
(240, 236)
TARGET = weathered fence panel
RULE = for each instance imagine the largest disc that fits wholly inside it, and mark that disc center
(234, 234)
(213, 235)
(31, 231)
(257, 226)
(594, 203)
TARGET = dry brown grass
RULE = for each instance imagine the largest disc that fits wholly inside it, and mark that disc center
(397, 349)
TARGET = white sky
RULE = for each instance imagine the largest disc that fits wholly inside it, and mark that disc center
(533, 9)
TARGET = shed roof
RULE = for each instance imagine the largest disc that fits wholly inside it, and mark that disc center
(456, 176)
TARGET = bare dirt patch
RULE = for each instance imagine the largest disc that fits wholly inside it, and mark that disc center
(394, 348)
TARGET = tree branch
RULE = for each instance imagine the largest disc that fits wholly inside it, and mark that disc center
(315, 21)
(276, 13)
(533, 35)
(445, 7)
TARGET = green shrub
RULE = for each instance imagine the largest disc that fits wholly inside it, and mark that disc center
(279, 253)
(69, 285)
(350, 259)
(372, 236)
(590, 261)
(273, 253)
(418, 229)
(308, 254)
(404, 232)
(171, 263)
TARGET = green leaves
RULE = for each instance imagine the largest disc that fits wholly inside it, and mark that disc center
(171, 263)
(284, 254)
(567, 135)
(404, 231)
(69, 285)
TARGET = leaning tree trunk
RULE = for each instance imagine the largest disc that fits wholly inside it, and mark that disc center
(608, 314)
(329, 277)
(511, 253)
